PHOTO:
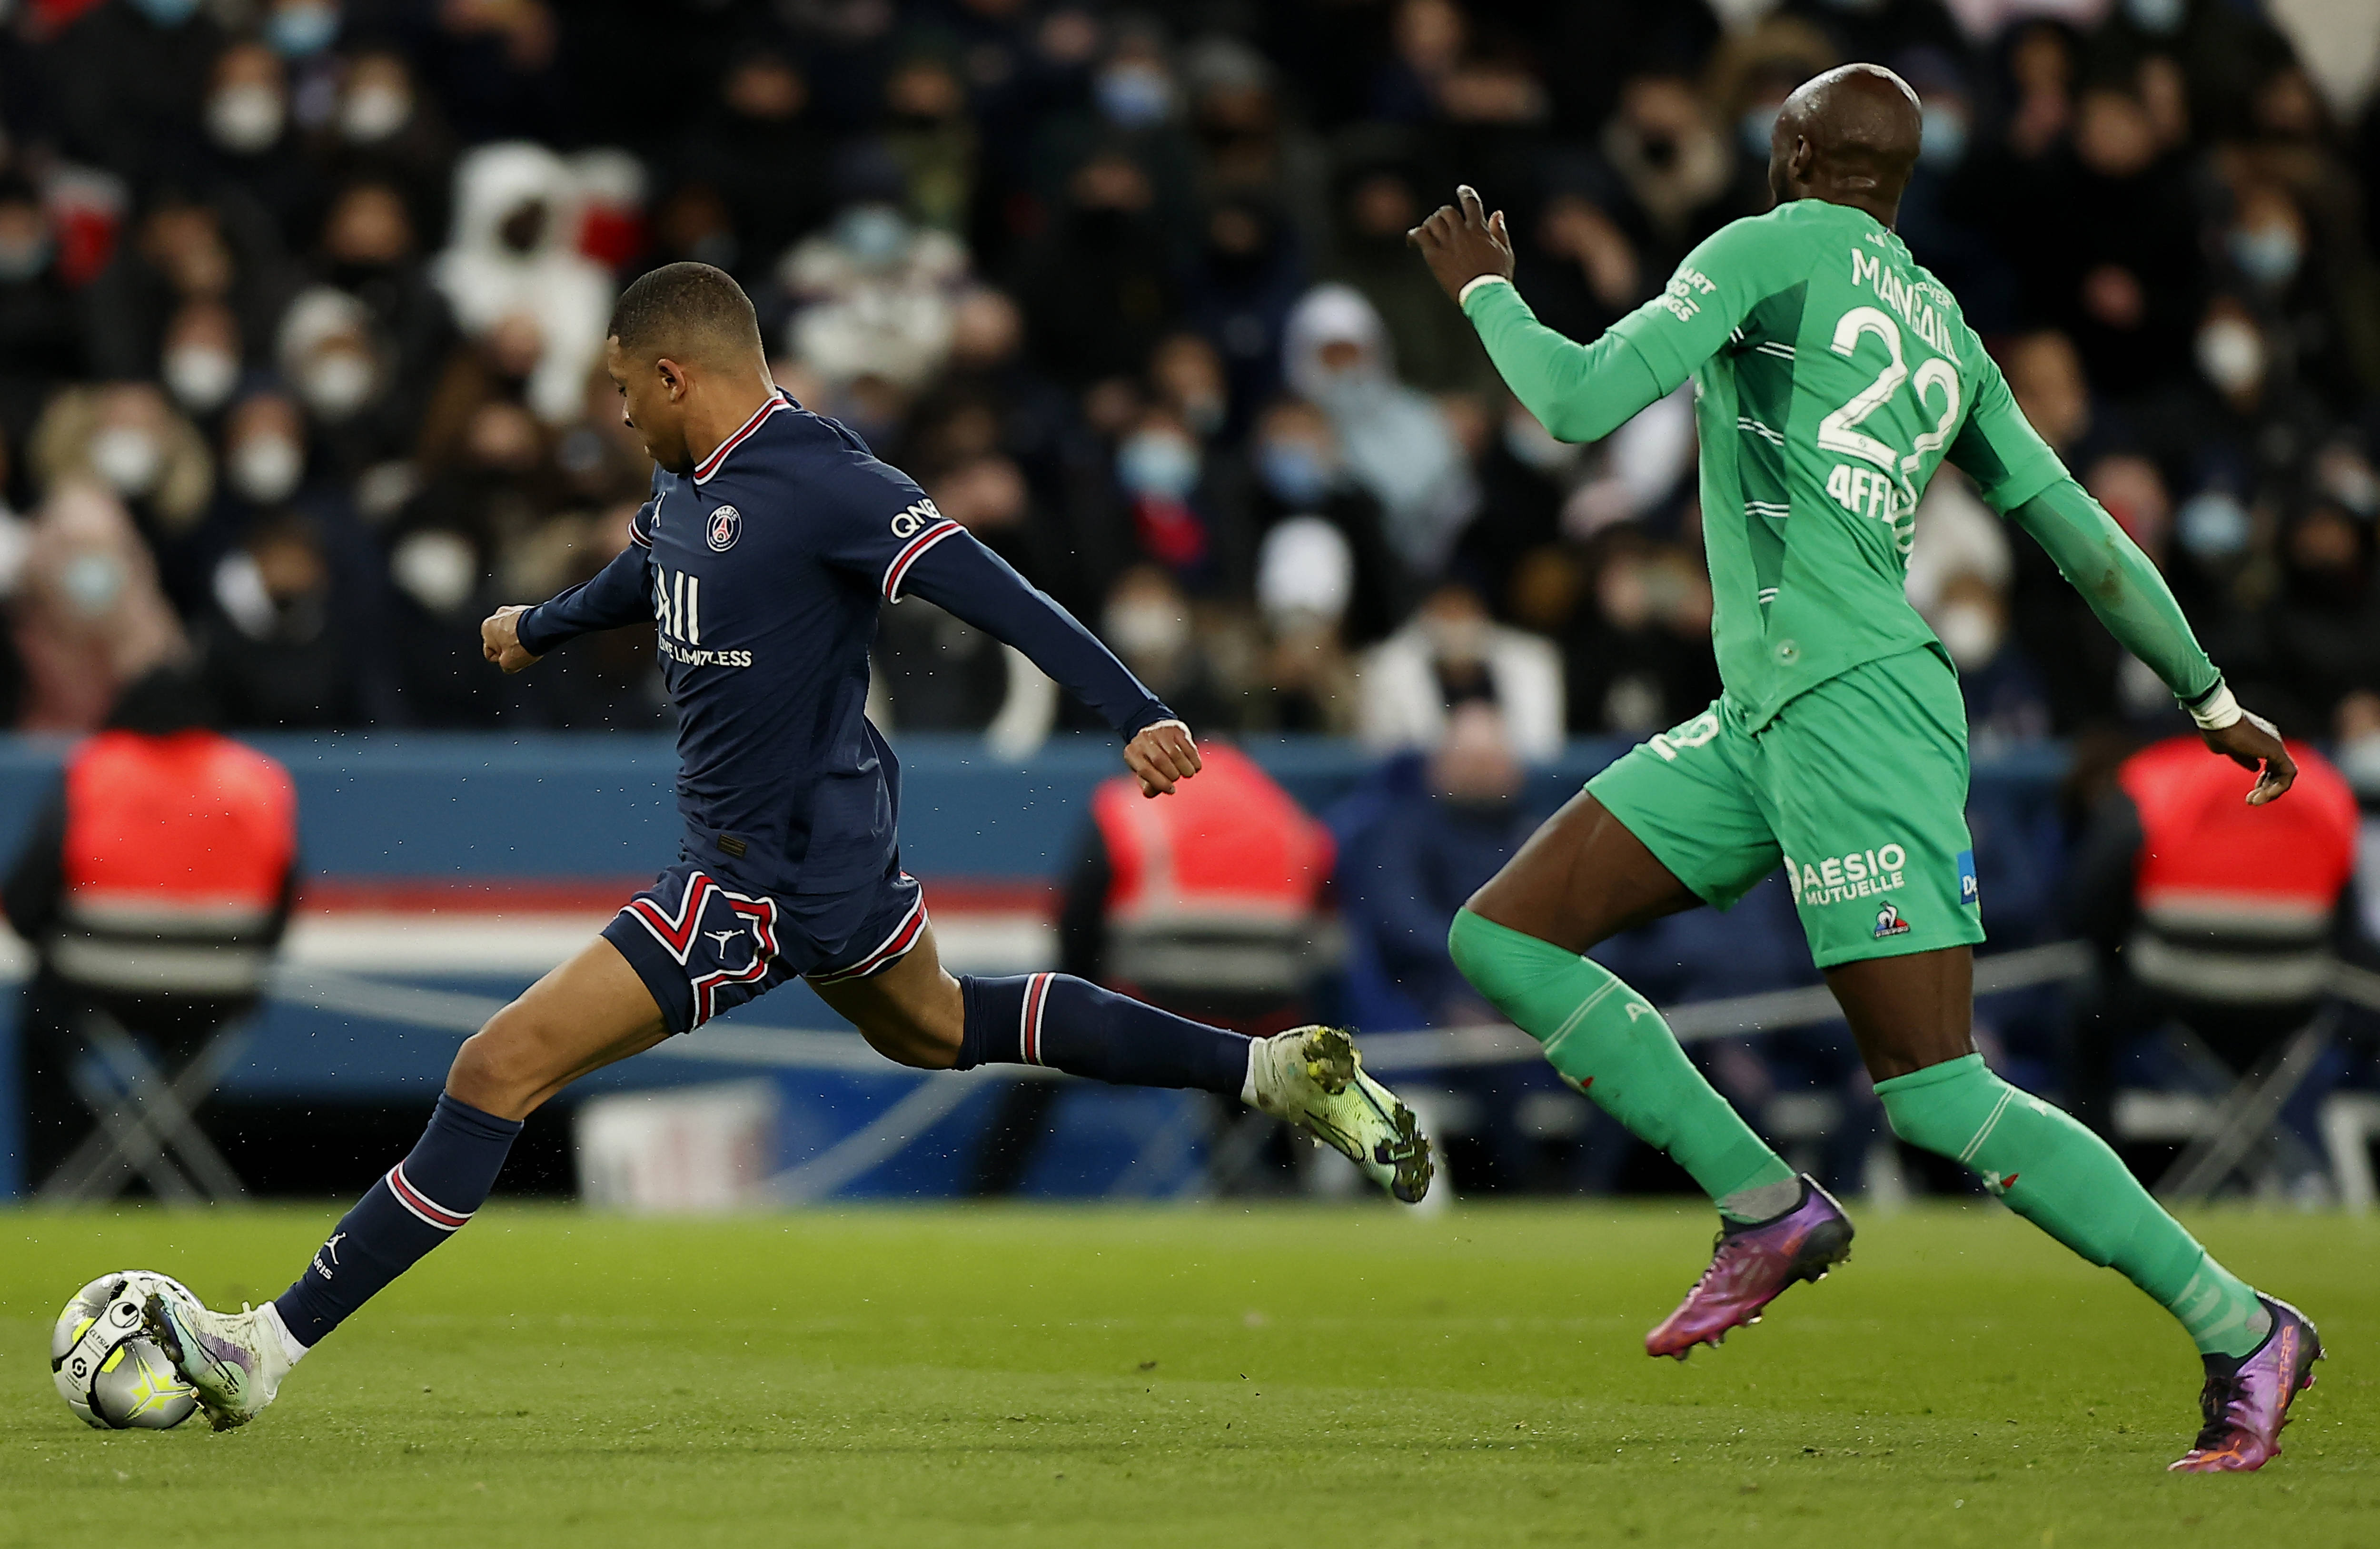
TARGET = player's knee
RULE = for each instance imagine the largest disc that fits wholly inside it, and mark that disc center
(918, 1043)
(502, 1067)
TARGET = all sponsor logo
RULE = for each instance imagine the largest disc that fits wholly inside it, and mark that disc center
(723, 527)
(1890, 922)
(1853, 875)
(1968, 892)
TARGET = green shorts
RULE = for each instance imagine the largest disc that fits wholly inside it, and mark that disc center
(1859, 786)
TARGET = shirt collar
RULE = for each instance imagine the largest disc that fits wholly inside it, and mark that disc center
(718, 458)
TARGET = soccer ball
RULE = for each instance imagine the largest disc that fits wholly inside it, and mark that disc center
(108, 1370)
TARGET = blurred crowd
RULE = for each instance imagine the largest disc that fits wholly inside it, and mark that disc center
(301, 306)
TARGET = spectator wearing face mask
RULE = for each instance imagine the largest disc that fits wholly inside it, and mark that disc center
(382, 129)
(256, 156)
(1396, 442)
(126, 437)
(89, 615)
(39, 343)
(1291, 467)
(368, 254)
(439, 575)
(179, 253)
(1160, 468)
(279, 650)
(2233, 435)
(263, 452)
(1303, 681)
(1449, 655)
(510, 266)
(2323, 301)
(1673, 162)
(201, 359)
(338, 368)
(1147, 622)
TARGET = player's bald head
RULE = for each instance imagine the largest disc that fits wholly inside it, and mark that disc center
(1856, 128)
(690, 312)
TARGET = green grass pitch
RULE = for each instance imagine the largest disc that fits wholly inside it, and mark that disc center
(1209, 1376)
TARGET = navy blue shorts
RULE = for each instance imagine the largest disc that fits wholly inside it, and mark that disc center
(702, 948)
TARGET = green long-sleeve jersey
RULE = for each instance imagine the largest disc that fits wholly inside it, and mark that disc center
(1832, 376)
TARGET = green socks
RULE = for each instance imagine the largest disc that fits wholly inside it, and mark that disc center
(2063, 1179)
(1610, 1044)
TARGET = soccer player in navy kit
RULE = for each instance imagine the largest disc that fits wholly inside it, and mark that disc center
(771, 538)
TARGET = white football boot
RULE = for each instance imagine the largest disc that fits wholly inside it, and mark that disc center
(234, 1360)
(1314, 1078)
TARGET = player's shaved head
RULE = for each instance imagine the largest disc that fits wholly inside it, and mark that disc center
(686, 357)
(691, 312)
(1849, 136)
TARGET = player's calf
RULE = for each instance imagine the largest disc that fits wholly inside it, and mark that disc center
(1311, 1077)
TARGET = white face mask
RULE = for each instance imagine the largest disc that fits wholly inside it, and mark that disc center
(128, 458)
(246, 118)
(1146, 631)
(336, 383)
(200, 376)
(92, 583)
(437, 569)
(372, 113)
(266, 468)
(1970, 633)
(2231, 353)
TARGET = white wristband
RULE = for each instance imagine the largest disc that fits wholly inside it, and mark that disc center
(1462, 296)
(2218, 712)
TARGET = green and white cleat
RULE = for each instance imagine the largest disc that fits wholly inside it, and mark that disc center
(234, 1360)
(1314, 1078)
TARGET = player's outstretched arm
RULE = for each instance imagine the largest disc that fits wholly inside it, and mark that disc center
(621, 593)
(1578, 392)
(2124, 588)
(960, 576)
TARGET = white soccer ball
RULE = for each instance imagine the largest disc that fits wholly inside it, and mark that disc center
(108, 1370)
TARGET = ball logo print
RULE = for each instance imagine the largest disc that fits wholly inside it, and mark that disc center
(725, 526)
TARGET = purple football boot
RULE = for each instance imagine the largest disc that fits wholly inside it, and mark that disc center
(2247, 1399)
(1752, 1266)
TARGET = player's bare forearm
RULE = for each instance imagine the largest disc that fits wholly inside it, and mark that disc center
(1162, 756)
(500, 638)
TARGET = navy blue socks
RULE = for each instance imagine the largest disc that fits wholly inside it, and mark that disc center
(1073, 1025)
(418, 1206)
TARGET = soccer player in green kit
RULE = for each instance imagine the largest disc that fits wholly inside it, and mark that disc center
(1833, 375)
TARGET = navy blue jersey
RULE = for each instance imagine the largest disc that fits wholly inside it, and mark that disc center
(763, 571)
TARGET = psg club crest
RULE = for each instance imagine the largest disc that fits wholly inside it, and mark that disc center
(725, 526)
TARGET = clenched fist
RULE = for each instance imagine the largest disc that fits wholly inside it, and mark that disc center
(500, 638)
(1162, 756)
